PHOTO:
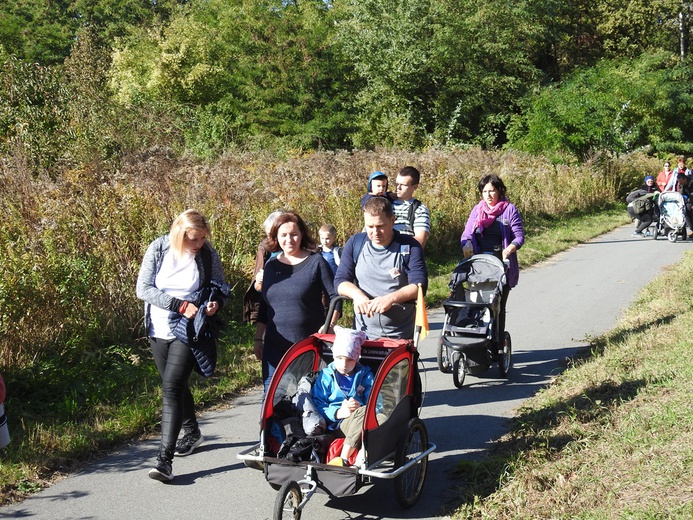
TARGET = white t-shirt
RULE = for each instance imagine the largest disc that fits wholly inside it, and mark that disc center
(178, 277)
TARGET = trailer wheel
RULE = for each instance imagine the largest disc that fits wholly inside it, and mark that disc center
(287, 502)
(412, 443)
(458, 369)
(506, 355)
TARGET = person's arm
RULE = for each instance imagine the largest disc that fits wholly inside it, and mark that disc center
(345, 278)
(327, 281)
(468, 232)
(422, 225)
(422, 237)
(146, 288)
(259, 341)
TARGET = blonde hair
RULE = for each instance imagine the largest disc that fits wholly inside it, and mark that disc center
(328, 228)
(189, 219)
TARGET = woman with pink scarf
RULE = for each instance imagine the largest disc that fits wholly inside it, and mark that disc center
(495, 227)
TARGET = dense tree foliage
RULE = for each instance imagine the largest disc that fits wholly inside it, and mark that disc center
(90, 80)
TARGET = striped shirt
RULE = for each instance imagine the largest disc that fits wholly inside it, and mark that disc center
(421, 220)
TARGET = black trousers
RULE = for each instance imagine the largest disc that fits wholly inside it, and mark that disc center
(175, 363)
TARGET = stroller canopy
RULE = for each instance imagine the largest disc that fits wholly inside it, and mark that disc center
(478, 269)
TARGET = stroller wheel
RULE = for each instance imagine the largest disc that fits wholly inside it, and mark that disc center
(444, 364)
(287, 502)
(672, 236)
(459, 371)
(505, 362)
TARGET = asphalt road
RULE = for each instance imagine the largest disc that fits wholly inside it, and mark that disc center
(552, 312)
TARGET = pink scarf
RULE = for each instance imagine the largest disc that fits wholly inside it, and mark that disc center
(485, 216)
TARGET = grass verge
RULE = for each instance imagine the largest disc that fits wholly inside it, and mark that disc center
(612, 437)
(61, 418)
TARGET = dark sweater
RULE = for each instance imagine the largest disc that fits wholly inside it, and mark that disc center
(291, 305)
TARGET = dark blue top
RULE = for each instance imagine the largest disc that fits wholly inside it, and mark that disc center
(291, 305)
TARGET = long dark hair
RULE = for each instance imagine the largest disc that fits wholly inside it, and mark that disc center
(496, 182)
(307, 241)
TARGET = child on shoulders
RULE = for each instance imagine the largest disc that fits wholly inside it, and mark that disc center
(377, 187)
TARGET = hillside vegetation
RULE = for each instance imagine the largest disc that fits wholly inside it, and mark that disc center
(612, 437)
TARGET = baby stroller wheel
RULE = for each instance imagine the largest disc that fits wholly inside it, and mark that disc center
(505, 362)
(655, 233)
(412, 443)
(443, 357)
(287, 502)
(459, 371)
(672, 236)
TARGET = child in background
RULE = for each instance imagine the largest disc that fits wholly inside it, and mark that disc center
(341, 392)
(329, 251)
(377, 187)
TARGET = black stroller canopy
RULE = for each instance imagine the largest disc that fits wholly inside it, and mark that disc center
(478, 269)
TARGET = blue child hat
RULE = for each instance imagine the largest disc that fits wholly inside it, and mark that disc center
(373, 176)
(649, 178)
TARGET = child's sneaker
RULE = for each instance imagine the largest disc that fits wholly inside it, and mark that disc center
(636, 234)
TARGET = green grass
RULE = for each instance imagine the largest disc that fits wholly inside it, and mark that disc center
(612, 437)
(93, 414)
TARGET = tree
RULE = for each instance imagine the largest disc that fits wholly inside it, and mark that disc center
(616, 106)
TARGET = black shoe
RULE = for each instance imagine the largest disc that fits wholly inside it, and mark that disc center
(163, 471)
(188, 443)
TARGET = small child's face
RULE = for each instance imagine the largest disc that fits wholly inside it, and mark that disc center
(379, 187)
(326, 239)
(344, 365)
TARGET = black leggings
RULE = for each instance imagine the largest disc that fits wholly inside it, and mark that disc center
(175, 362)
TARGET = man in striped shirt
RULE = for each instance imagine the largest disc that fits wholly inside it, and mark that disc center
(411, 216)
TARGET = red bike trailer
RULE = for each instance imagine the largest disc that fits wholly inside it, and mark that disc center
(395, 440)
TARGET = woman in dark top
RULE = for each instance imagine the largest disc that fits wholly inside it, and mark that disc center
(293, 283)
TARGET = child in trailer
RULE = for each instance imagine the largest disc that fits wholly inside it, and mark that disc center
(341, 392)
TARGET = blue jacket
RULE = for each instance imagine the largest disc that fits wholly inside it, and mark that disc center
(328, 397)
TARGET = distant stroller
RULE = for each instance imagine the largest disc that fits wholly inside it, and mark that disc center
(672, 216)
(471, 339)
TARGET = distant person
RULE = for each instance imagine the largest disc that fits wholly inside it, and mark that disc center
(664, 176)
(649, 185)
(642, 206)
(680, 168)
(377, 187)
(294, 281)
(175, 266)
(495, 227)
(253, 295)
(328, 249)
(380, 271)
(411, 216)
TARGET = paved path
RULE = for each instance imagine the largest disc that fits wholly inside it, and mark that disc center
(558, 304)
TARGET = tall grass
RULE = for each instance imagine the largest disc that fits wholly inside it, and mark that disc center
(72, 246)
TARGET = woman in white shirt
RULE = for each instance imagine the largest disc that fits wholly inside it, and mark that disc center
(173, 268)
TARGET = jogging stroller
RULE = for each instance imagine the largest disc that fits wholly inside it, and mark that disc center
(471, 339)
(672, 216)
